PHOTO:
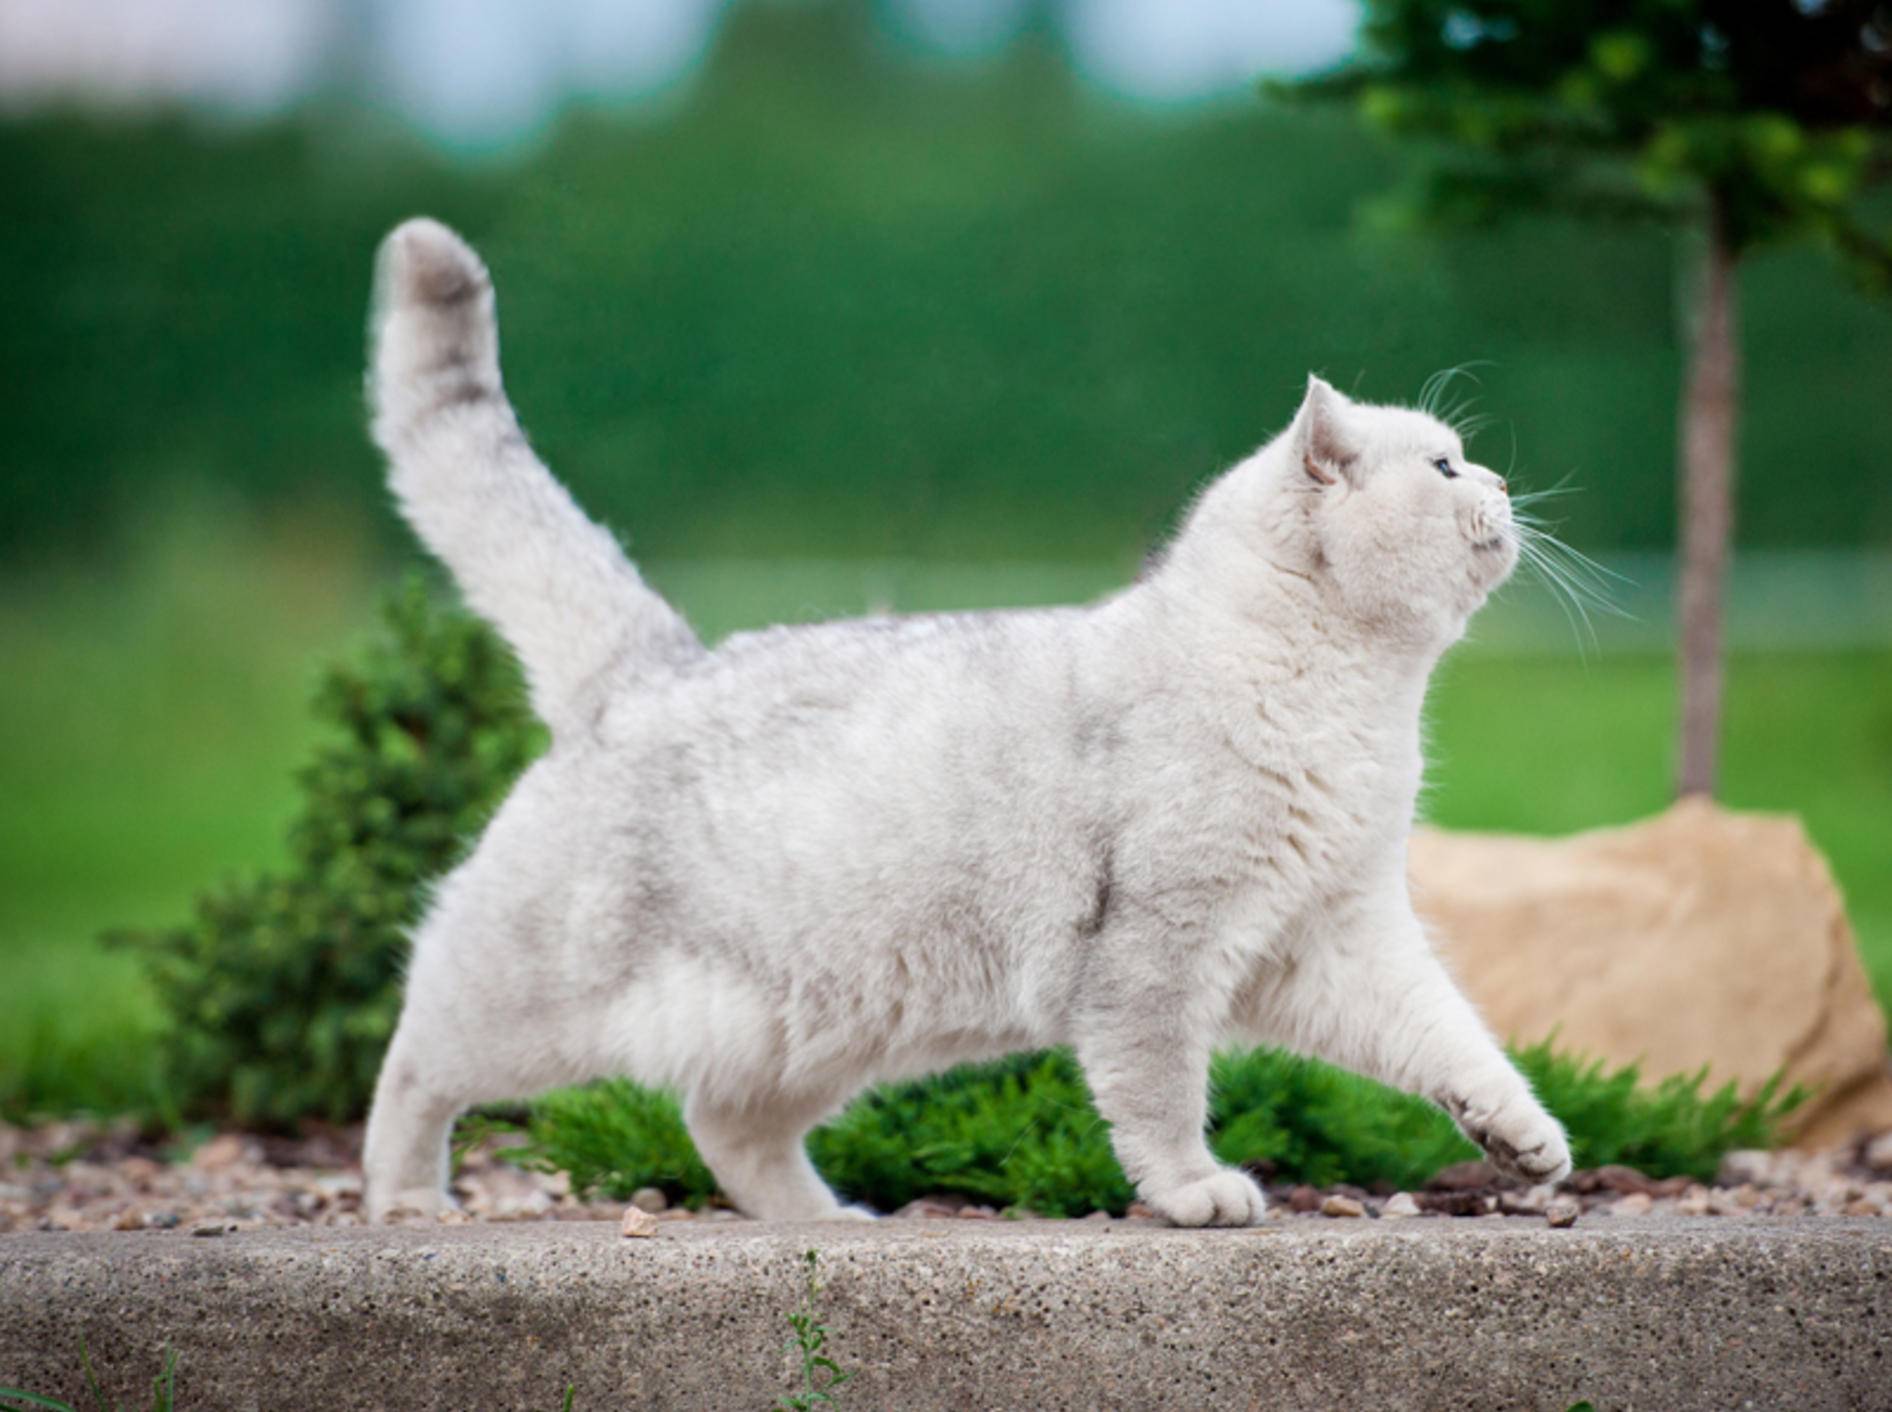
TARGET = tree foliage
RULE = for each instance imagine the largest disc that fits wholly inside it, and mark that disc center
(1777, 111)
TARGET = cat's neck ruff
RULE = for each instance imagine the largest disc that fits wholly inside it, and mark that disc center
(1245, 579)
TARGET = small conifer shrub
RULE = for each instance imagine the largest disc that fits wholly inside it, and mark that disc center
(282, 990)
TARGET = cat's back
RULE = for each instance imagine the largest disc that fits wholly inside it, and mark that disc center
(822, 685)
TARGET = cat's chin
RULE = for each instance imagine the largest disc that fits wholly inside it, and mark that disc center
(1492, 563)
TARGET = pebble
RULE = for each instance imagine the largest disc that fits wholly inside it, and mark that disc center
(224, 1150)
(1562, 1211)
(1615, 1177)
(1637, 1203)
(1696, 1201)
(1878, 1154)
(211, 1228)
(1463, 1176)
(648, 1198)
(638, 1223)
(1745, 1166)
(1399, 1205)
(921, 1208)
(1341, 1206)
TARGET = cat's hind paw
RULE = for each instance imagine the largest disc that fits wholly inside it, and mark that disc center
(419, 1203)
(1224, 1198)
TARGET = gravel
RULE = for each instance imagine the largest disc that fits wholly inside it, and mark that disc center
(99, 1177)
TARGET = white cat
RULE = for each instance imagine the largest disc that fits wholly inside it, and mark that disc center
(819, 857)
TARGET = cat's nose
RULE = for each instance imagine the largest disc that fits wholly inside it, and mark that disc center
(1504, 486)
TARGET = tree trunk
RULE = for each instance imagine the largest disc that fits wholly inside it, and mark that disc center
(1707, 501)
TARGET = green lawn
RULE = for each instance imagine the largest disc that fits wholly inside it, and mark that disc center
(155, 717)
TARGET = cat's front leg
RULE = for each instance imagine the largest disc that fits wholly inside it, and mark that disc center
(1367, 993)
(1144, 1043)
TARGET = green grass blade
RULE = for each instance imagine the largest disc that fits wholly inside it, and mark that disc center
(19, 1400)
(92, 1378)
(164, 1386)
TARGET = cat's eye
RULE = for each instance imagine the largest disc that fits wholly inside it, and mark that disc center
(1444, 467)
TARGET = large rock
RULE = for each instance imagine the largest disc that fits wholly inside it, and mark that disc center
(1696, 937)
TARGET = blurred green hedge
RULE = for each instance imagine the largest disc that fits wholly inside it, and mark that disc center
(842, 304)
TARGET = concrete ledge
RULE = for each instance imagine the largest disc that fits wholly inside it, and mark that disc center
(1671, 1314)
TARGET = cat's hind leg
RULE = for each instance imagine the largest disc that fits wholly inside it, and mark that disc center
(404, 1159)
(475, 1027)
(434, 1072)
(758, 1153)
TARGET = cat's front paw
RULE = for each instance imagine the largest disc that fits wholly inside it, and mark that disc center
(1224, 1198)
(1519, 1138)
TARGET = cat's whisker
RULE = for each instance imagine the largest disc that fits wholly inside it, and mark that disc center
(1536, 497)
(1433, 388)
(1580, 565)
(1577, 582)
(1453, 414)
(1561, 593)
(1605, 579)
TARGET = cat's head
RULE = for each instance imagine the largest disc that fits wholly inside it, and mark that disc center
(1405, 529)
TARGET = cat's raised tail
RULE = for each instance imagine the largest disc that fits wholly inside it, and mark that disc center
(556, 584)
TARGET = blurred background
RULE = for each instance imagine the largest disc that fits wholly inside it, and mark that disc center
(826, 305)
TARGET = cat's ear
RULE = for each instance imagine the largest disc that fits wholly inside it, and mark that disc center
(1319, 436)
